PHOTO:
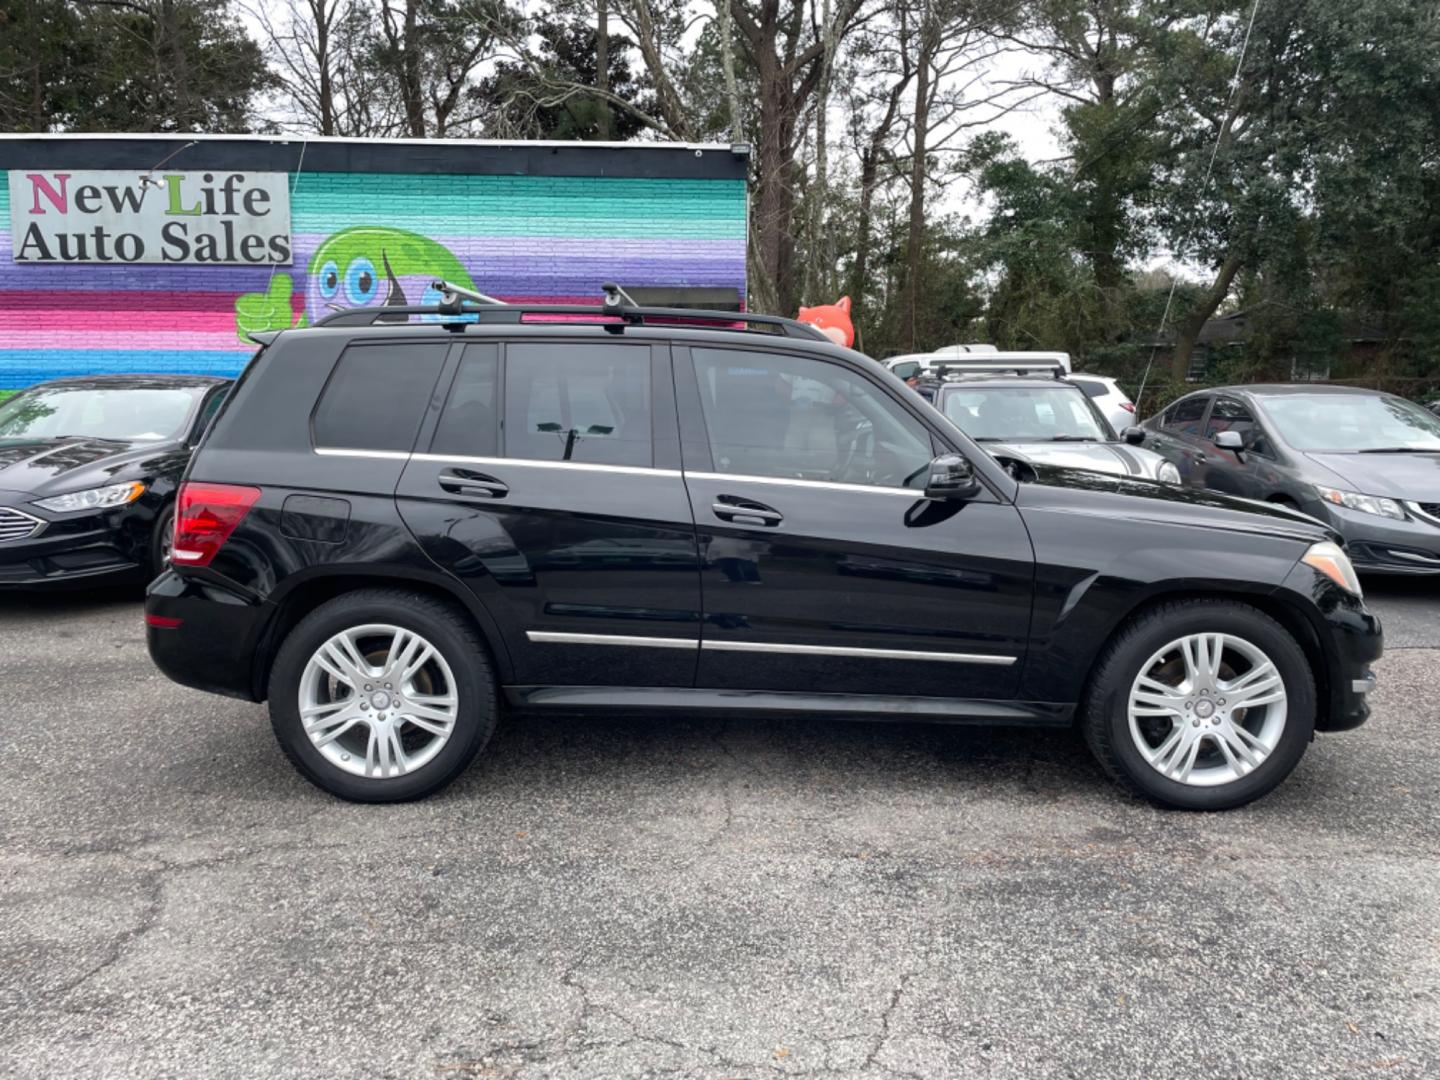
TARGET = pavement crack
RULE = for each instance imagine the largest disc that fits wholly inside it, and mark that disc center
(872, 1059)
(121, 943)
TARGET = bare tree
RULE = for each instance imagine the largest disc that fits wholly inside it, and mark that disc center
(952, 43)
(318, 51)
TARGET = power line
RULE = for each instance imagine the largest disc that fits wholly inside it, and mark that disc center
(1204, 186)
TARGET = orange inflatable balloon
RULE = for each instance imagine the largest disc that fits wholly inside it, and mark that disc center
(833, 321)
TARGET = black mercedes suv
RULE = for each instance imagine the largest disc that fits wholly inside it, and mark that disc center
(395, 530)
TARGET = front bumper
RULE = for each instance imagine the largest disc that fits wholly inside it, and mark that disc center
(1350, 640)
(108, 546)
(1381, 545)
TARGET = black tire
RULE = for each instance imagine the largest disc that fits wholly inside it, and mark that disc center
(156, 559)
(446, 627)
(1104, 717)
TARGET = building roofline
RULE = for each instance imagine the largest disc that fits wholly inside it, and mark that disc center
(316, 153)
(740, 149)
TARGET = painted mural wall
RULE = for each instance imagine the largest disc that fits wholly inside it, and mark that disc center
(362, 239)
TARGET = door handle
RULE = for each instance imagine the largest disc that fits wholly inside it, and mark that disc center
(478, 485)
(745, 511)
(1199, 458)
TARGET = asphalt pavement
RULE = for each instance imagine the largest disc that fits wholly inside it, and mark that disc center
(677, 897)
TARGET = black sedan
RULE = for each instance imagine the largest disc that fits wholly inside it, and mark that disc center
(1366, 463)
(88, 473)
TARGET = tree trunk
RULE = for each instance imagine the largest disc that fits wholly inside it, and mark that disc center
(602, 64)
(869, 170)
(1187, 330)
(326, 83)
(822, 260)
(727, 61)
(915, 237)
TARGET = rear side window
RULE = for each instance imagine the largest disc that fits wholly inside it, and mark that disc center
(573, 402)
(470, 424)
(376, 396)
(1184, 416)
(1092, 388)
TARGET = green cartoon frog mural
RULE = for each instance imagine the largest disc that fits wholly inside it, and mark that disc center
(363, 266)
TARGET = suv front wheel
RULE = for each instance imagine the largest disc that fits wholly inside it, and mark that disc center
(1201, 705)
(382, 695)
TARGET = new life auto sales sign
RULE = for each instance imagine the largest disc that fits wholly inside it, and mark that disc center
(99, 216)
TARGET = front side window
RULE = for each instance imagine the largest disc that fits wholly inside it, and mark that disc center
(1231, 415)
(1183, 418)
(1024, 414)
(578, 402)
(122, 413)
(797, 418)
(376, 396)
(1352, 422)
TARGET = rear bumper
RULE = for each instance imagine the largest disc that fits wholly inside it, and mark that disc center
(211, 642)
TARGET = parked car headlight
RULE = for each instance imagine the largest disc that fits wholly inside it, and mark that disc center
(1366, 504)
(1167, 473)
(1331, 560)
(101, 498)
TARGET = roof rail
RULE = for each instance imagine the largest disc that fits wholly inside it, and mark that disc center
(614, 313)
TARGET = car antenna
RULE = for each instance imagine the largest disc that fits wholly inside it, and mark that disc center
(452, 296)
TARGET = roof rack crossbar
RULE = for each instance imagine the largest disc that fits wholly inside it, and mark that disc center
(1050, 367)
(502, 313)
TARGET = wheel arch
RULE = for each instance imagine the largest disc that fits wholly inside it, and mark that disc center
(304, 595)
(1290, 617)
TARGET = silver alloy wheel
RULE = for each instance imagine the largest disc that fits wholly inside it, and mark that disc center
(378, 700)
(1207, 709)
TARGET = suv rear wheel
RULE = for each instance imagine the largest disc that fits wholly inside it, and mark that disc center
(1201, 705)
(382, 695)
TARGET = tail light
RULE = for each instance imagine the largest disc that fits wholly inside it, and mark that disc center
(1128, 406)
(205, 516)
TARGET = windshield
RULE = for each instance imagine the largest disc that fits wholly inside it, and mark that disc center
(1025, 414)
(1352, 422)
(134, 415)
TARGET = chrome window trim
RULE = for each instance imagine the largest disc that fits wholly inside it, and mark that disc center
(532, 463)
(495, 462)
(377, 455)
(821, 485)
(854, 651)
(554, 637)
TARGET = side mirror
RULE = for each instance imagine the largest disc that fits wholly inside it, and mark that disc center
(1229, 440)
(951, 477)
(1134, 435)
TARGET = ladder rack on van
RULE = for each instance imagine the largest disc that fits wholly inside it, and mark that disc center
(615, 313)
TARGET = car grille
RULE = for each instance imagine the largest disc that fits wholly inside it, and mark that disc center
(17, 526)
(1427, 512)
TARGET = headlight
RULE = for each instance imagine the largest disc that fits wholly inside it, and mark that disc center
(1366, 504)
(101, 498)
(1167, 473)
(1331, 561)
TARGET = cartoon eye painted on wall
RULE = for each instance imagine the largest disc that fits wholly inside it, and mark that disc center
(329, 280)
(361, 282)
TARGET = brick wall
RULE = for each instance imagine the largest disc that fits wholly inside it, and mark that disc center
(530, 237)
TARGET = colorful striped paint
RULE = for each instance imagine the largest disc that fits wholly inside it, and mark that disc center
(536, 238)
